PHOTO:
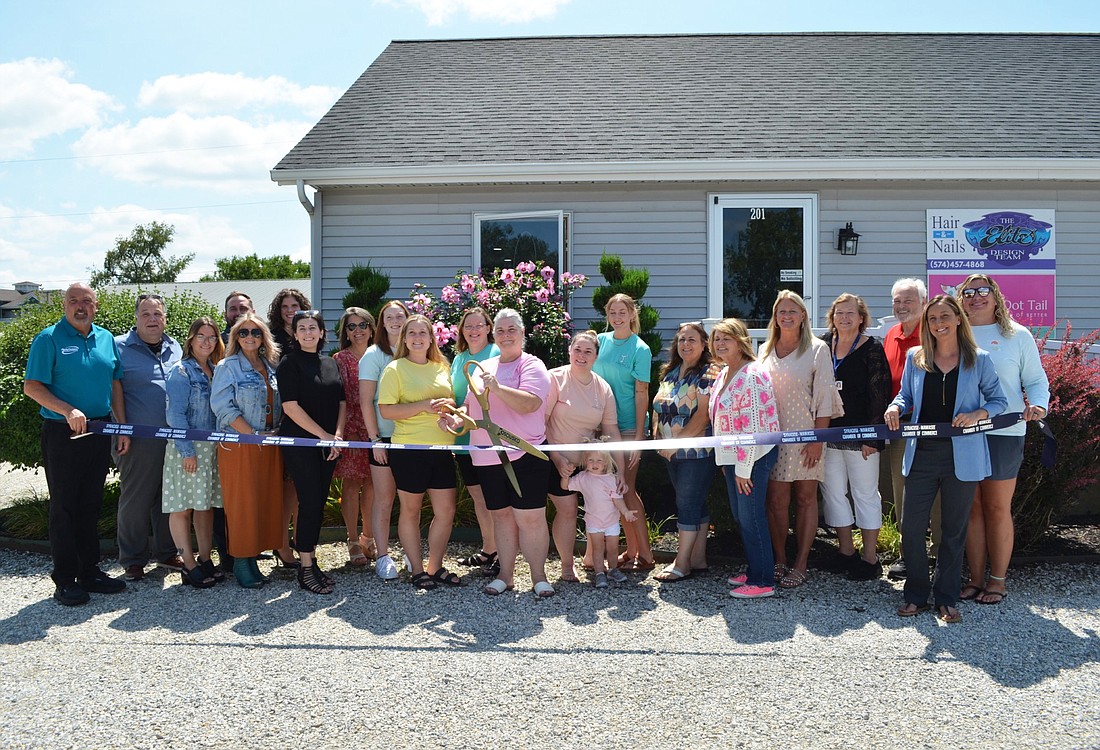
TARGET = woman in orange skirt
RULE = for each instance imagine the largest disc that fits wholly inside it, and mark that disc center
(245, 398)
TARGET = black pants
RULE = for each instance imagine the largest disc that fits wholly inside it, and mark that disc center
(75, 473)
(311, 475)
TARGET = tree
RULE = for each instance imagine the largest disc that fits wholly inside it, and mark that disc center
(250, 267)
(139, 258)
(368, 288)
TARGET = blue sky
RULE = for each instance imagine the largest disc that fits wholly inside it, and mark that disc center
(114, 114)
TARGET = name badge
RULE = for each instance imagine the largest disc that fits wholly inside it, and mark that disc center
(840, 385)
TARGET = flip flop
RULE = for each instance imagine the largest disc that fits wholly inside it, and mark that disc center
(904, 611)
(794, 578)
(671, 574)
(943, 612)
(544, 590)
(1001, 596)
(974, 589)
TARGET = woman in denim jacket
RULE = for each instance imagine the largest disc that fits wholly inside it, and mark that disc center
(191, 486)
(245, 399)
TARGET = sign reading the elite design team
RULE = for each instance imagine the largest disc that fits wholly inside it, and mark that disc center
(1014, 247)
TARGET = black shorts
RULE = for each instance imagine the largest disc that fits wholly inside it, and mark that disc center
(418, 471)
(467, 469)
(553, 482)
(499, 493)
(370, 453)
(1006, 453)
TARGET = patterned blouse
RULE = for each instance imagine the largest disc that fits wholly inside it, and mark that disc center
(675, 404)
(743, 403)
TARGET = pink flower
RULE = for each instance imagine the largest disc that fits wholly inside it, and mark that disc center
(450, 295)
(420, 302)
(542, 296)
(765, 398)
(467, 283)
(508, 275)
(770, 410)
(550, 286)
(565, 277)
(547, 273)
(483, 298)
(525, 267)
(742, 454)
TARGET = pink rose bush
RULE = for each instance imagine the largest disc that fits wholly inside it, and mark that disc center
(532, 288)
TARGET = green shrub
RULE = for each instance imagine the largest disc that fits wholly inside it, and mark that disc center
(19, 421)
(368, 288)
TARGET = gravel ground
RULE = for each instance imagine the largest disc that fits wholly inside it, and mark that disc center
(640, 665)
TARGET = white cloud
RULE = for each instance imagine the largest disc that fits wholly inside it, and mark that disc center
(38, 99)
(220, 153)
(202, 93)
(438, 12)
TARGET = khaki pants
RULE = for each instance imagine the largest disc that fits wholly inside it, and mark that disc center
(895, 452)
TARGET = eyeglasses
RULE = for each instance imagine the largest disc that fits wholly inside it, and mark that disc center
(364, 326)
(474, 326)
(256, 333)
(981, 291)
(206, 339)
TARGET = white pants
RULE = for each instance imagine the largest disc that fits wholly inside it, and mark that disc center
(849, 468)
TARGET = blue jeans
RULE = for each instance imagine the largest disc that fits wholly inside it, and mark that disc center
(691, 479)
(752, 518)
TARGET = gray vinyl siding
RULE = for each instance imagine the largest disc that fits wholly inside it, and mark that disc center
(425, 235)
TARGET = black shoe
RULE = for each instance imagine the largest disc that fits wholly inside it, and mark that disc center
(212, 570)
(71, 595)
(839, 562)
(862, 570)
(897, 571)
(101, 583)
(491, 570)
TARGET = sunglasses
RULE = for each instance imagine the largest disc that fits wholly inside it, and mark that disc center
(981, 291)
(306, 314)
(364, 326)
(256, 333)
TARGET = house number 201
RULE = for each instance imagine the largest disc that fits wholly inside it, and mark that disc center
(756, 214)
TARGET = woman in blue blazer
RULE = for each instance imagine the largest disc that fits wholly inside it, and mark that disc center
(946, 379)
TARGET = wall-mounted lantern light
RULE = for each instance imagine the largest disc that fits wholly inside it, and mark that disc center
(847, 241)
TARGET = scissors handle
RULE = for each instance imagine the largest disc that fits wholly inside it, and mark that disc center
(468, 422)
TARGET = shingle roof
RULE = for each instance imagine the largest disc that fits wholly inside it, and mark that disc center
(759, 96)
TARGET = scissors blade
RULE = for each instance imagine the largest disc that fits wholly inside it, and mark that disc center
(520, 443)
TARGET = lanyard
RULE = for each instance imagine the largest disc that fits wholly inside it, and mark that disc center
(832, 352)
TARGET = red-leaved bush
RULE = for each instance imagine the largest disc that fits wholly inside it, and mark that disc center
(1043, 494)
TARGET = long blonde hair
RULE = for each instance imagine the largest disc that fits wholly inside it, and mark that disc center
(968, 347)
(632, 308)
(434, 355)
(806, 336)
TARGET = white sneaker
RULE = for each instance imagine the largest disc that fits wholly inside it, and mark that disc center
(617, 575)
(385, 568)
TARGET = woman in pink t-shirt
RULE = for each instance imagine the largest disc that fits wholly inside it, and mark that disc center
(580, 403)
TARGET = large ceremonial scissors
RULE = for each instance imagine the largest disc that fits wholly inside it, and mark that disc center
(497, 434)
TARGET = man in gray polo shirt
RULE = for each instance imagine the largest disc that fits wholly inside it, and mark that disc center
(148, 354)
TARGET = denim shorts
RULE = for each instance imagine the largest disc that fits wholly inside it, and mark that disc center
(691, 480)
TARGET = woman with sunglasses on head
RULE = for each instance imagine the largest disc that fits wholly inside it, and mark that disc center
(473, 344)
(355, 329)
(245, 398)
(391, 318)
(191, 486)
(1016, 356)
(947, 379)
(313, 407)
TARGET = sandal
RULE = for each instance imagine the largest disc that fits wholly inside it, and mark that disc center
(970, 591)
(479, 559)
(280, 562)
(356, 556)
(424, 582)
(196, 577)
(794, 578)
(779, 571)
(445, 576)
(370, 549)
(1001, 596)
(496, 587)
(544, 590)
(671, 574)
(313, 580)
(638, 563)
(948, 614)
(912, 610)
(212, 570)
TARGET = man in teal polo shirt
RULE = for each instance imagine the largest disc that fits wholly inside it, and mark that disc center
(74, 373)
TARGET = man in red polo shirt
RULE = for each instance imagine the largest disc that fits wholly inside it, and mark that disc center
(908, 297)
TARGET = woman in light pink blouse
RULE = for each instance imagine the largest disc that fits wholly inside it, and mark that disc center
(742, 402)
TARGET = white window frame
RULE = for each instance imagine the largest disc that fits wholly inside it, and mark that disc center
(563, 252)
(718, 201)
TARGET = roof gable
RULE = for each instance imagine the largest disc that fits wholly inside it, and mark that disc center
(751, 97)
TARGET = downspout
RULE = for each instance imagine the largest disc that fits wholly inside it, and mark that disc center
(314, 241)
